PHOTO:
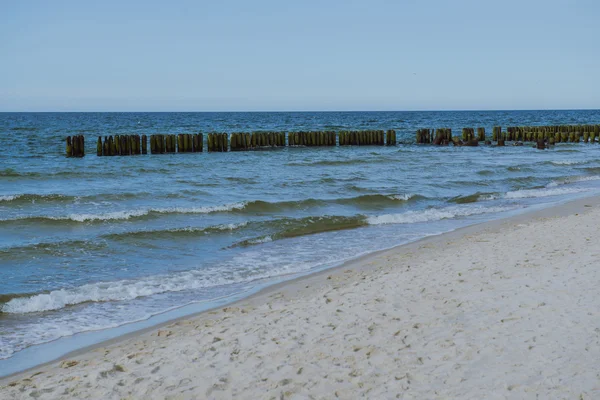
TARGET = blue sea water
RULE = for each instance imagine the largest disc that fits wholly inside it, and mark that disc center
(99, 242)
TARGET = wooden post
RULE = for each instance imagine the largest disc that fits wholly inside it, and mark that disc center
(481, 134)
(111, 146)
(70, 147)
(541, 145)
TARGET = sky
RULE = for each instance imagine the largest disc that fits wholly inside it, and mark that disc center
(259, 55)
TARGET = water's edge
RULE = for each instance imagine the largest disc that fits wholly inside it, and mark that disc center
(37, 356)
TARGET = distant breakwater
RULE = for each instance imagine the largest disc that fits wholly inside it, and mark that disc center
(123, 145)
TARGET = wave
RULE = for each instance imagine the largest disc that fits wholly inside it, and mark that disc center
(350, 161)
(567, 162)
(550, 190)
(176, 232)
(12, 173)
(25, 128)
(57, 248)
(126, 290)
(434, 214)
(294, 227)
(367, 200)
(312, 225)
(472, 198)
(519, 168)
(128, 214)
(35, 198)
(21, 198)
(573, 179)
(543, 192)
(246, 207)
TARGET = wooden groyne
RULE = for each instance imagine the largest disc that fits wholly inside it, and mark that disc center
(125, 145)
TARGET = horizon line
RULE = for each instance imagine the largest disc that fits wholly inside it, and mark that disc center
(310, 111)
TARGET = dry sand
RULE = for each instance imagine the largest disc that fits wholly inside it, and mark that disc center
(502, 310)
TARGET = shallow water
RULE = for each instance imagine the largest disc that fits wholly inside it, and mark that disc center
(99, 242)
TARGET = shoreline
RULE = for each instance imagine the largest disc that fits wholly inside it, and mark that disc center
(315, 279)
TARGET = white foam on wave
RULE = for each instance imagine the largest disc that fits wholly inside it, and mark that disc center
(574, 179)
(567, 162)
(222, 227)
(231, 227)
(487, 197)
(107, 291)
(116, 215)
(127, 214)
(201, 210)
(10, 197)
(126, 290)
(263, 239)
(403, 197)
(544, 192)
(433, 214)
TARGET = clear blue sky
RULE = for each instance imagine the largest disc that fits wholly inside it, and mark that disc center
(118, 55)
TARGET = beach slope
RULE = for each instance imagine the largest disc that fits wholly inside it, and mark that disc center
(508, 309)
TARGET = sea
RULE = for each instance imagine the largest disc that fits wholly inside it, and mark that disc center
(94, 245)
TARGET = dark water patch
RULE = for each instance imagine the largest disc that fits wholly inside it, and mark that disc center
(25, 128)
(333, 163)
(239, 179)
(174, 233)
(154, 170)
(67, 248)
(355, 188)
(16, 199)
(12, 173)
(591, 170)
(365, 201)
(473, 198)
(198, 184)
(486, 172)
(289, 228)
(519, 168)
(34, 198)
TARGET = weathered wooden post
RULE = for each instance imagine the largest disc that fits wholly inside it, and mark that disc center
(481, 134)
(69, 148)
(111, 146)
(541, 145)
(81, 146)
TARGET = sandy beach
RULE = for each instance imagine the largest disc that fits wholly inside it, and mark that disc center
(506, 309)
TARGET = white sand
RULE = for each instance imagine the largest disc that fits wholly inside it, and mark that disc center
(504, 310)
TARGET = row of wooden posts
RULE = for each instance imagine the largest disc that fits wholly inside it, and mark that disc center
(246, 141)
(121, 145)
(124, 145)
(182, 143)
(551, 134)
(437, 136)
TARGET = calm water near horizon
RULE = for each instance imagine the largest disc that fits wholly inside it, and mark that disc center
(99, 242)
